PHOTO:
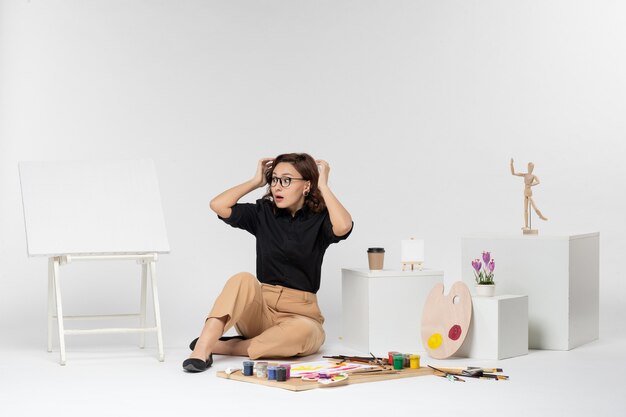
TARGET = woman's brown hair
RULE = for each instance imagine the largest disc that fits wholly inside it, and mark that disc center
(307, 168)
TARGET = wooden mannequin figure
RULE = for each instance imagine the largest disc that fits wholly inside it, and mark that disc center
(530, 180)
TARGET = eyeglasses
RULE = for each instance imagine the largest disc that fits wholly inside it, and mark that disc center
(284, 181)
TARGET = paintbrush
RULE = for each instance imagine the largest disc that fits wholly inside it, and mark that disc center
(486, 369)
(463, 372)
(372, 357)
(371, 360)
(368, 372)
(473, 373)
(449, 376)
(364, 358)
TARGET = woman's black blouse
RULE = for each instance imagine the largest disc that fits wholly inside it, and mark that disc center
(289, 249)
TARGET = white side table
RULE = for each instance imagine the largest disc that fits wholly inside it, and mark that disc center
(560, 275)
(499, 328)
(382, 310)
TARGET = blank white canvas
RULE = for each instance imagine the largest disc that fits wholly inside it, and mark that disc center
(92, 207)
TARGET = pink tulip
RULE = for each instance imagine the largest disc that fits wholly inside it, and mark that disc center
(486, 257)
(476, 264)
(491, 265)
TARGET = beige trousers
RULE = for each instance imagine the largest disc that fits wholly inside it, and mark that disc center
(280, 322)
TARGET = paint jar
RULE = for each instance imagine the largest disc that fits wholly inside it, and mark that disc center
(261, 369)
(375, 258)
(281, 374)
(398, 361)
(271, 373)
(287, 367)
(407, 360)
(390, 356)
(248, 368)
(415, 361)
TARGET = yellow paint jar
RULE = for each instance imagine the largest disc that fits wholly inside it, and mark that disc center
(414, 361)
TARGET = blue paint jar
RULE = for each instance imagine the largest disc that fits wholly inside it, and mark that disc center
(248, 368)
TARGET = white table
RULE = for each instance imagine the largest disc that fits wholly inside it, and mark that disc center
(382, 310)
(499, 328)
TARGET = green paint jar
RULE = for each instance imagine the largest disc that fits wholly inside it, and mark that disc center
(398, 361)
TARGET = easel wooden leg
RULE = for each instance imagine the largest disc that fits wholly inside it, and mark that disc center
(157, 311)
(142, 312)
(51, 301)
(413, 264)
(59, 307)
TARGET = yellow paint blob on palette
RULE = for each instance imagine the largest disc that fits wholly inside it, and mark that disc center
(446, 320)
(434, 341)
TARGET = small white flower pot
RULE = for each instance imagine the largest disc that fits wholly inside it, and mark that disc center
(485, 290)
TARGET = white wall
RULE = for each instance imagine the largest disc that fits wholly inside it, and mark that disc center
(417, 105)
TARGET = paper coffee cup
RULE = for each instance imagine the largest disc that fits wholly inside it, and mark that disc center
(376, 258)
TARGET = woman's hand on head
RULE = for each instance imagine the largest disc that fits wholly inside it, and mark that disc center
(262, 167)
(324, 170)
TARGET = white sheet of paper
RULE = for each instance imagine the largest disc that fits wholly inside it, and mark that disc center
(300, 369)
(92, 207)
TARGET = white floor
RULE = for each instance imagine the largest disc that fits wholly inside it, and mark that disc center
(120, 380)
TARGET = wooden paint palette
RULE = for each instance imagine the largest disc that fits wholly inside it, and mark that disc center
(446, 320)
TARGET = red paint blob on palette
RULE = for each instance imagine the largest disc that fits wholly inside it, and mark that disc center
(455, 332)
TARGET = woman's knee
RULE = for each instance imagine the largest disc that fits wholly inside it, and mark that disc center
(296, 337)
(242, 279)
(315, 338)
(305, 335)
(307, 328)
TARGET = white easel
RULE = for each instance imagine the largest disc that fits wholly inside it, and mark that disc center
(95, 211)
(412, 253)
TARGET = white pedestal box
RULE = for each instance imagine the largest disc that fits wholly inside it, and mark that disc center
(499, 328)
(382, 310)
(560, 275)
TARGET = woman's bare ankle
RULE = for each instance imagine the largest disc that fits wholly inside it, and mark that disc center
(201, 351)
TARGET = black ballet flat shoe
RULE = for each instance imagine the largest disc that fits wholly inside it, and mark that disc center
(192, 345)
(194, 365)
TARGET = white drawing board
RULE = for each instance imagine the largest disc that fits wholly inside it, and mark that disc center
(92, 207)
